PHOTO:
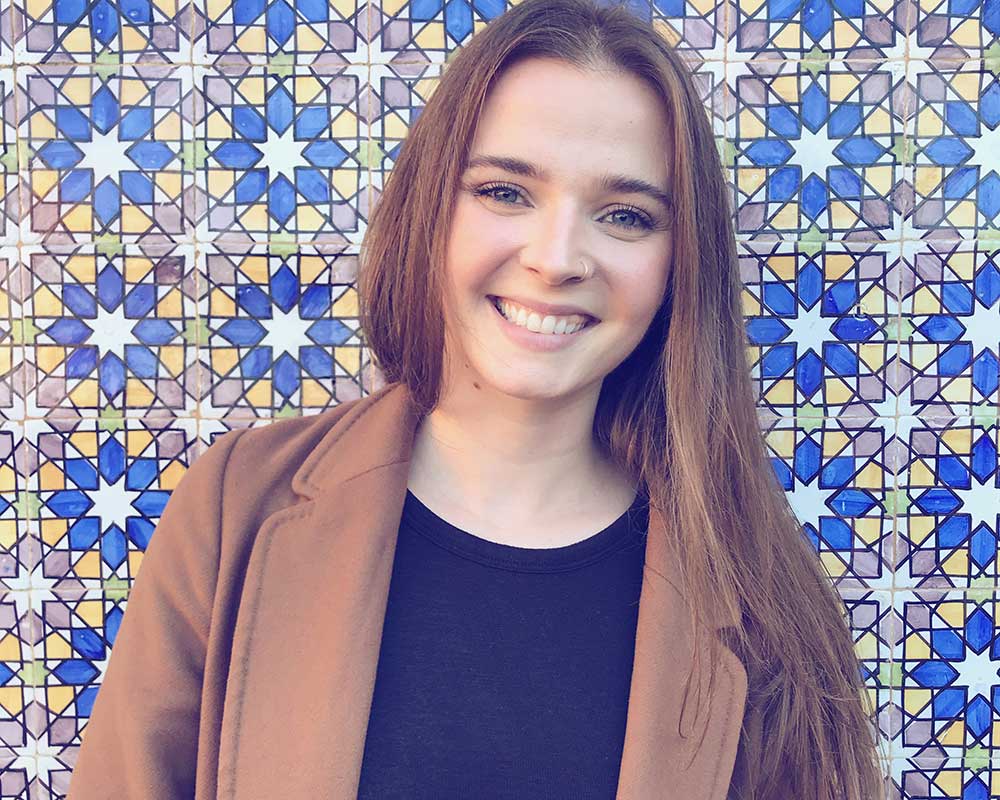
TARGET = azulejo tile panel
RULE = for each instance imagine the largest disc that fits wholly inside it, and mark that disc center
(153, 31)
(281, 32)
(279, 330)
(948, 660)
(823, 327)
(96, 489)
(397, 94)
(817, 149)
(281, 155)
(840, 478)
(185, 189)
(13, 156)
(950, 329)
(948, 504)
(806, 29)
(17, 742)
(956, 139)
(947, 778)
(108, 329)
(11, 352)
(108, 154)
(955, 30)
(697, 28)
(428, 30)
(876, 630)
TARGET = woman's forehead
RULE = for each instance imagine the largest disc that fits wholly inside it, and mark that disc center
(557, 115)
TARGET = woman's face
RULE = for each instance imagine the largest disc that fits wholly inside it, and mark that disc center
(536, 213)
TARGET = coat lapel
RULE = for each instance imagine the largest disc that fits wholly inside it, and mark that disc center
(306, 644)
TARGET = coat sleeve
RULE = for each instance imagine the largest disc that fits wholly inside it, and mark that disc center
(141, 740)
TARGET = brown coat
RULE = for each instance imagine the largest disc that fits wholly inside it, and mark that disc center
(245, 663)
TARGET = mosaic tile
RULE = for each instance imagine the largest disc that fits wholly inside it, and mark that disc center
(427, 30)
(181, 207)
(110, 329)
(697, 28)
(823, 325)
(15, 775)
(11, 384)
(876, 630)
(713, 90)
(17, 676)
(6, 59)
(931, 779)
(955, 29)
(808, 29)
(13, 157)
(281, 156)
(18, 548)
(286, 32)
(840, 479)
(77, 630)
(397, 95)
(956, 138)
(950, 347)
(105, 32)
(280, 330)
(948, 504)
(51, 781)
(948, 656)
(108, 153)
(816, 150)
(99, 488)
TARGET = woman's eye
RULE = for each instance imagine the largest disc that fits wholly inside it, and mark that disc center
(639, 219)
(492, 190)
(642, 221)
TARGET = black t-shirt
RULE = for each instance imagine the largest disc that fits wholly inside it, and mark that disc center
(504, 671)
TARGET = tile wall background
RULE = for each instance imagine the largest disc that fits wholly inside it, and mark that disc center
(184, 188)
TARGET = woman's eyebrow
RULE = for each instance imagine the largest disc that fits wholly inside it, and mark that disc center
(607, 183)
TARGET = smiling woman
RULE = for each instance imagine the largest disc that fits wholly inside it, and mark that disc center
(565, 166)
(550, 557)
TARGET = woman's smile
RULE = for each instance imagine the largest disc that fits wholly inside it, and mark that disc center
(538, 341)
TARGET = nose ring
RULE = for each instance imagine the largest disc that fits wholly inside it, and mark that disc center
(586, 269)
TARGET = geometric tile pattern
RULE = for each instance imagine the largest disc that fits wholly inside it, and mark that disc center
(949, 342)
(840, 480)
(822, 327)
(281, 155)
(184, 188)
(949, 506)
(814, 148)
(280, 328)
(300, 31)
(106, 153)
(128, 31)
(956, 136)
(110, 330)
(795, 29)
(948, 657)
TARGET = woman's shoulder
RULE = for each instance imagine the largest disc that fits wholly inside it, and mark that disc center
(275, 444)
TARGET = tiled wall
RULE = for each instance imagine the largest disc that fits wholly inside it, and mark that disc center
(185, 186)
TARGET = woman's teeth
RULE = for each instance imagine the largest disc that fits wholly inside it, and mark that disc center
(537, 323)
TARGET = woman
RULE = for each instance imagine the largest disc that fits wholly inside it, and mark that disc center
(549, 558)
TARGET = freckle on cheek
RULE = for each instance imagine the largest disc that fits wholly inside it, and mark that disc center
(475, 384)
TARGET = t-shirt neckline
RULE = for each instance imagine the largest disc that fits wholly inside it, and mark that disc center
(628, 528)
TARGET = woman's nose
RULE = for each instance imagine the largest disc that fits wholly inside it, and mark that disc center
(553, 247)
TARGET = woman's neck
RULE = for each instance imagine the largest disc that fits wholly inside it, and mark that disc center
(504, 475)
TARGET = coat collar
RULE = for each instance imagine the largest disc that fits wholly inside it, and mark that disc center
(306, 646)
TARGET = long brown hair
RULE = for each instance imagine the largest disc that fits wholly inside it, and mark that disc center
(678, 414)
